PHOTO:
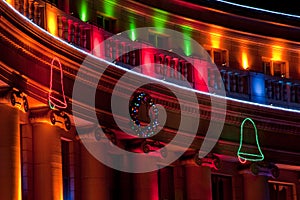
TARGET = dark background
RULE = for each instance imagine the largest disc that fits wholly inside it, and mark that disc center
(286, 6)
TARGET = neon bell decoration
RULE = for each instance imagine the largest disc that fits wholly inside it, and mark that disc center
(53, 101)
(244, 156)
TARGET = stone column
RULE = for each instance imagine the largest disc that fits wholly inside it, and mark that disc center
(255, 187)
(96, 178)
(198, 182)
(48, 184)
(10, 165)
(27, 162)
(255, 179)
(145, 186)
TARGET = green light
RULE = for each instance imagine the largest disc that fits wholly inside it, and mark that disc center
(109, 7)
(132, 28)
(159, 19)
(249, 156)
(83, 11)
(187, 45)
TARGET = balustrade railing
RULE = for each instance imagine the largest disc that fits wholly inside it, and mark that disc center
(67, 27)
(240, 84)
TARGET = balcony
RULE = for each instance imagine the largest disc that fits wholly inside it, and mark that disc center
(238, 84)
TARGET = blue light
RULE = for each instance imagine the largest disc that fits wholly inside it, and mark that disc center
(162, 81)
(257, 82)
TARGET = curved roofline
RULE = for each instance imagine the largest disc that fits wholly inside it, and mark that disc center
(259, 9)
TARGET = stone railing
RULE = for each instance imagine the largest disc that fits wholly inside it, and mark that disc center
(239, 84)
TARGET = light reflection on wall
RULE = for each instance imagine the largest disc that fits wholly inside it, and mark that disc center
(18, 171)
(245, 62)
(83, 11)
(187, 46)
(277, 52)
(159, 19)
(51, 22)
(109, 7)
(10, 2)
(132, 29)
(215, 39)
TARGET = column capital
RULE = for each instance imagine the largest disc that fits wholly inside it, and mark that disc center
(211, 161)
(14, 97)
(54, 117)
(261, 169)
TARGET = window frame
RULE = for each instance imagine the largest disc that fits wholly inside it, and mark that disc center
(211, 52)
(293, 185)
(165, 37)
(284, 65)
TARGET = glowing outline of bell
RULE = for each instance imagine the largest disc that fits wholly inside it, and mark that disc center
(54, 102)
(241, 155)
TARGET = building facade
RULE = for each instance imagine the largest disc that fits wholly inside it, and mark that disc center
(43, 46)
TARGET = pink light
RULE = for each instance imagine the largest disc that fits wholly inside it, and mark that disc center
(147, 61)
(54, 102)
(200, 74)
(243, 161)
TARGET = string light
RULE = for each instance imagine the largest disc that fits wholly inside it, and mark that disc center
(155, 79)
(55, 102)
(244, 156)
(137, 101)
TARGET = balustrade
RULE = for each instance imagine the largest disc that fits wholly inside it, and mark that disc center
(31, 9)
(70, 31)
(25, 7)
(273, 90)
(37, 13)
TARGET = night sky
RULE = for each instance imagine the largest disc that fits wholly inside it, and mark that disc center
(286, 6)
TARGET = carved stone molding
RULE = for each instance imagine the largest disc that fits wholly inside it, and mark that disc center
(210, 160)
(52, 117)
(148, 146)
(15, 98)
(261, 169)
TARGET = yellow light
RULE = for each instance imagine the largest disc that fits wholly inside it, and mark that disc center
(10, 2)
(215, 39)
(277, 52)
(245, 60)
(52, 23)
(18, 171)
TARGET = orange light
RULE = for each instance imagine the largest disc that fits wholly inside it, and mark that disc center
(18, 171)
(277, 52)
(10, 2)
(215, 39)
(245, 60)
(52, 22)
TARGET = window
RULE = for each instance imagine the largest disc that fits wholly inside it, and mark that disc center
(107, 23)
(282, 191)
(158, 39)
(66, 169)
(218, 56)
(275, 68)
(221, 187)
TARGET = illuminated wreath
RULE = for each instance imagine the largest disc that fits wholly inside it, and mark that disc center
(143, 131)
